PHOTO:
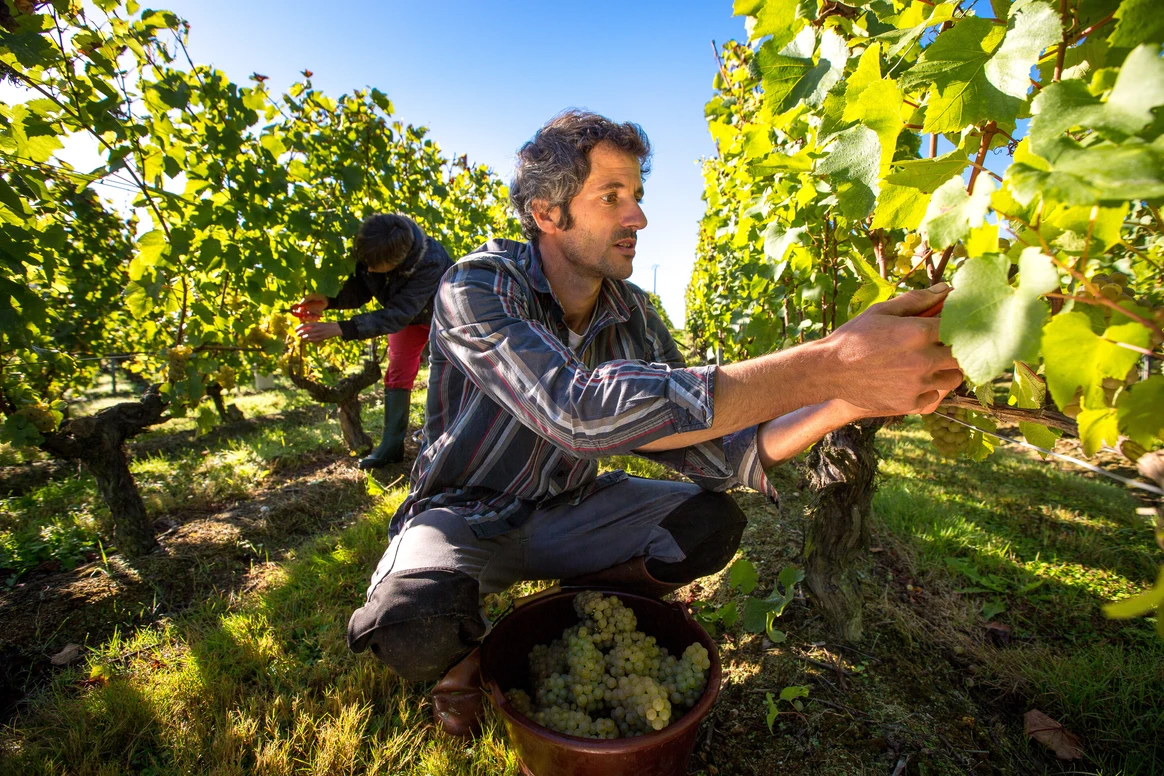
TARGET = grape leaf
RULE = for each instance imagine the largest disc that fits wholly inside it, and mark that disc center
(756, 611)
(1141, 411)
(774, 635)
(952, 213)
(982, 239)
(954, 66)
(900, 207)
(150, 246)
(1139, 21)
(1034, 27)
(742, 576)
(1052, 735)
(981, 444)
(852, 164)
(900, 40)
(928, 174)
(1068, 227)
(873, 289)
(868, 72)
(1075, 357)
(779, 162)
(1098, 428)
(793, 692)
(1080, 61)
(1103, 173)
(779, 18)
(879, 108)
(791, 74)
(778, 240)
(1061, 106)
(980, 71)
(1028, 391)
(1137, 605)
(989, 324)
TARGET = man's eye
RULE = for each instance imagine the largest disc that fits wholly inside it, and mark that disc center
(609, 198)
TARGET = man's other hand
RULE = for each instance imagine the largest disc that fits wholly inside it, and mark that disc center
(310, 307)
(317, 332)
(890, 361)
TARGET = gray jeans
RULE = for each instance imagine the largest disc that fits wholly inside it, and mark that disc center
(422, 610)
(617, 523)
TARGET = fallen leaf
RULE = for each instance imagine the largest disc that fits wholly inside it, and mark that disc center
(70, 653)
(997, 633)
(1052, 735)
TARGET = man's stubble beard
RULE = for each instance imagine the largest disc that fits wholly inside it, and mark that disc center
(579, 247)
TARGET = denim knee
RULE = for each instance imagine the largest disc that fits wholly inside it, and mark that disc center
(420, 622)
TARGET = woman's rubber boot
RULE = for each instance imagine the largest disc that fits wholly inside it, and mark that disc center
(391, 447)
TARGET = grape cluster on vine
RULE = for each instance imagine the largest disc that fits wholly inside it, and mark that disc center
(950, 438)
(176, 363)
(40, 415)
(605, 679)
(1116, 287)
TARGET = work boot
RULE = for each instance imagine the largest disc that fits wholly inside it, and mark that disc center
(458, 700)
(629, 576)
(391, 447)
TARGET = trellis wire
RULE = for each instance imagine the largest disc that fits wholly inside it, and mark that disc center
(1091, 468)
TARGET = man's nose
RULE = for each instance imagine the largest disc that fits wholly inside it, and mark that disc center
(634, 217)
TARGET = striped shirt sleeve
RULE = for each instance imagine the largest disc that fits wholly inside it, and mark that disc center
(717, 464)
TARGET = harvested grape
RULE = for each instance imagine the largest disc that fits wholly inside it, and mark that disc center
(605, 679)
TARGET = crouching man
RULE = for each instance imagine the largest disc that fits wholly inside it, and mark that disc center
(544, 359)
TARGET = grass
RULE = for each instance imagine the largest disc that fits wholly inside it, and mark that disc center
(263, 684)
(256, 678)
(1044, 548)
(60, 522)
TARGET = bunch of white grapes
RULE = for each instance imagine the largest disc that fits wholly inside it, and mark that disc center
(950, 439)
(176, 359)
(604, 679)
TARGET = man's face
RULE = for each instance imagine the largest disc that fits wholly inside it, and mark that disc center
(607, 215)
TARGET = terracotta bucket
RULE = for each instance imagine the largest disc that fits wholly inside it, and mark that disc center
(544, 752)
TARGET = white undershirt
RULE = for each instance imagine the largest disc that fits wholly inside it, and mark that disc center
(575, 339)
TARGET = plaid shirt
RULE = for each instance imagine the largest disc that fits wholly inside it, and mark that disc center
(516, 419)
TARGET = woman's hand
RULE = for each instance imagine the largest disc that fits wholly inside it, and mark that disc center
(317, 332)
(310, 307)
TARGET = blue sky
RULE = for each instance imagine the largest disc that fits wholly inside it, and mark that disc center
(485, 76)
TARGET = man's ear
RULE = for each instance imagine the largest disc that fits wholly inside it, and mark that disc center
(546, 217)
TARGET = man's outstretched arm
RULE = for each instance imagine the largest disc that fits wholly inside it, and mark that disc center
(883, 362)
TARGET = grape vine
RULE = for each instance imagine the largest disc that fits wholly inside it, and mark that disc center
(242, 201)
(828, 194)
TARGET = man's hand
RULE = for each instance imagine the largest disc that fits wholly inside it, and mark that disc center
(310, 307)
(317, 332)
(891, 362)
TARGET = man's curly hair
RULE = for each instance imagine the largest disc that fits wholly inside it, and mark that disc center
(553, 165)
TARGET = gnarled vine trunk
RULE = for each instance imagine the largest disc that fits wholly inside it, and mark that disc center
(228, 413)
(346, 394)
(841, 472)
(98, 442)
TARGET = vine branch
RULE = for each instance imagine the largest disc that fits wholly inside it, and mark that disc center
(1043, 417)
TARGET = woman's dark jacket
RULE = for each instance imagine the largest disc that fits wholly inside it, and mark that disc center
(405, 293)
